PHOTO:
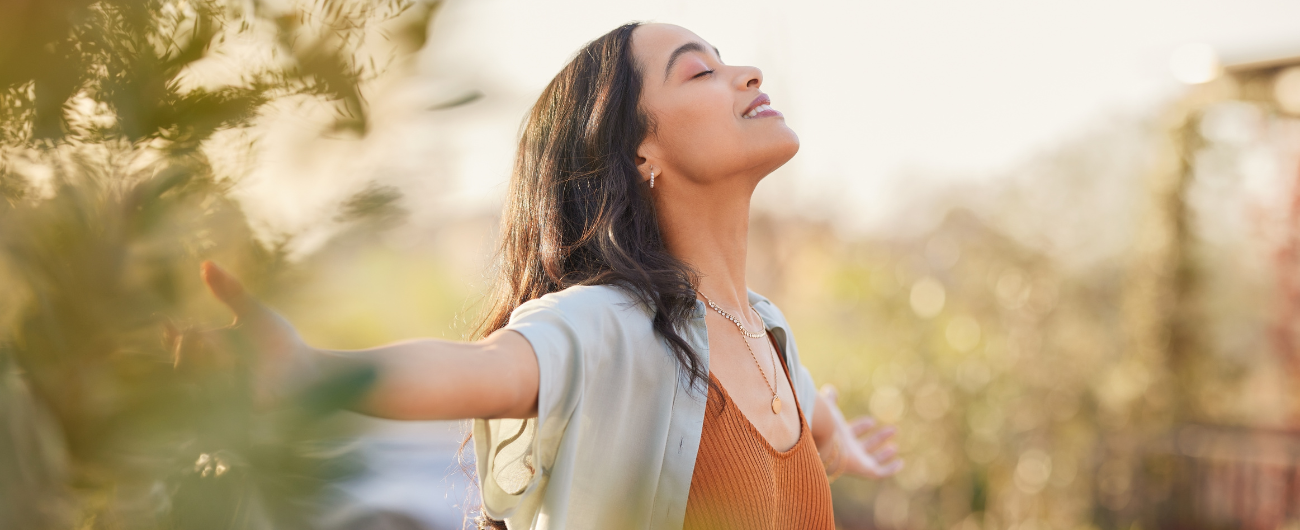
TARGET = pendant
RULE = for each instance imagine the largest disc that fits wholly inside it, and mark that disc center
(776, 405)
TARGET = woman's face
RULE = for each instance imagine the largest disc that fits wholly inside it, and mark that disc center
(711, 119)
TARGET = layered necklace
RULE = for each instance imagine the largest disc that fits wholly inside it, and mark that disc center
(776, 401)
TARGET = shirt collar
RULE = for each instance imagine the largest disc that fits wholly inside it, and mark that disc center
(767, 310)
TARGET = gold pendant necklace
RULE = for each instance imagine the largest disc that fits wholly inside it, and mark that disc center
(776, 401)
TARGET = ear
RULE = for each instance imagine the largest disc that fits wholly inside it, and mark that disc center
(647, 160)
(646, 168)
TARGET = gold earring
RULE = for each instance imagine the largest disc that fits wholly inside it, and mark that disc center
(652, 178)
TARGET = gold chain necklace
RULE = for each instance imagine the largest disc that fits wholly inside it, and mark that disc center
(776, 401)
(736, 321)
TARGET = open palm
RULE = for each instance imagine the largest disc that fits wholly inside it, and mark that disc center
(864, 446)
(278, 354)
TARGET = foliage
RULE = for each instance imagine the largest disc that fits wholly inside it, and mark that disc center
(113, 412)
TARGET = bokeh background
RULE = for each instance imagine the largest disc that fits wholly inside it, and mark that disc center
(1057, 244)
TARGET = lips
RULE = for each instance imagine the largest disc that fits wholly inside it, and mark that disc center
(760, 107)
(754, 105)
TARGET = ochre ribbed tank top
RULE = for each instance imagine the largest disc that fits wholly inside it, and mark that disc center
(741, 481)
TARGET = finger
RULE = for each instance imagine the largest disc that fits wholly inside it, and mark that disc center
(890, 468)
(227, 289)
(879, 437)
(862, 425)
(200, 352)
(832, 394)
(885, 454)
(172, 340)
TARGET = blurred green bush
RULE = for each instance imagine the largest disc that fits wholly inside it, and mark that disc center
(113, 414)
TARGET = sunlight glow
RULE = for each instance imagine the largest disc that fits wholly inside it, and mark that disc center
(1195, 63)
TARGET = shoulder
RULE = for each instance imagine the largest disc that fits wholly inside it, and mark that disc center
(585, 303)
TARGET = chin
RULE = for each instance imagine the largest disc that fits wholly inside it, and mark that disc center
(787, 146)
(785, 136)
(794, 142)
(777, 154)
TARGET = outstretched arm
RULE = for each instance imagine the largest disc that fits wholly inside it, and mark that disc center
(421, 379)
(861, 448)
(433, 379)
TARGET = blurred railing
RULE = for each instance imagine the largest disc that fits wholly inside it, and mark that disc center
(1230, 477)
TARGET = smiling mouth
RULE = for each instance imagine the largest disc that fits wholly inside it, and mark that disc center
(758, 110)
(762, 108)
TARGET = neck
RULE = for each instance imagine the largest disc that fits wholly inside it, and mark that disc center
(707, 226)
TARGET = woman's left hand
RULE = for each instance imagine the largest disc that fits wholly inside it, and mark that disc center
(861, 447)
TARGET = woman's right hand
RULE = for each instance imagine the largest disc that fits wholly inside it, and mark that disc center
(416, 379)
(280, 358)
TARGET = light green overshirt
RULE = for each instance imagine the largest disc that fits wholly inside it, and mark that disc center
(617, 430)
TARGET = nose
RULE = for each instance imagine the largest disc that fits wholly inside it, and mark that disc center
(750, 77)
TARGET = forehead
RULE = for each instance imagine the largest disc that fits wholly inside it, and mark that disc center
(653, 43)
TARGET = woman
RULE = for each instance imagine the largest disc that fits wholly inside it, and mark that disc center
(625, 376)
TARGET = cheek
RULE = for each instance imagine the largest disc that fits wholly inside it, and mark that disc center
(702, 134)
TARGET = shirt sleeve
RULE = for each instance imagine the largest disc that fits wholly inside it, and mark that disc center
(512, 456)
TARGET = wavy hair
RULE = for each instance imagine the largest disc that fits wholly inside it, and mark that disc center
(578, 212)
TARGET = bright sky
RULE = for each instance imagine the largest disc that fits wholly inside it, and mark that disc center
(878, 91)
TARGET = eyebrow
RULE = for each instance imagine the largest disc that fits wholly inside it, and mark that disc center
(686, 48)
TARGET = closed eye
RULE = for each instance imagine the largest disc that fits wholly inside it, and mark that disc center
(701, 74)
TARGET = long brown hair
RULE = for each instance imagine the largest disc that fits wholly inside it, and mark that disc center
(578, 211)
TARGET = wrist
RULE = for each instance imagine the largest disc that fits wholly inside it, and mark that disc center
(834, 459)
